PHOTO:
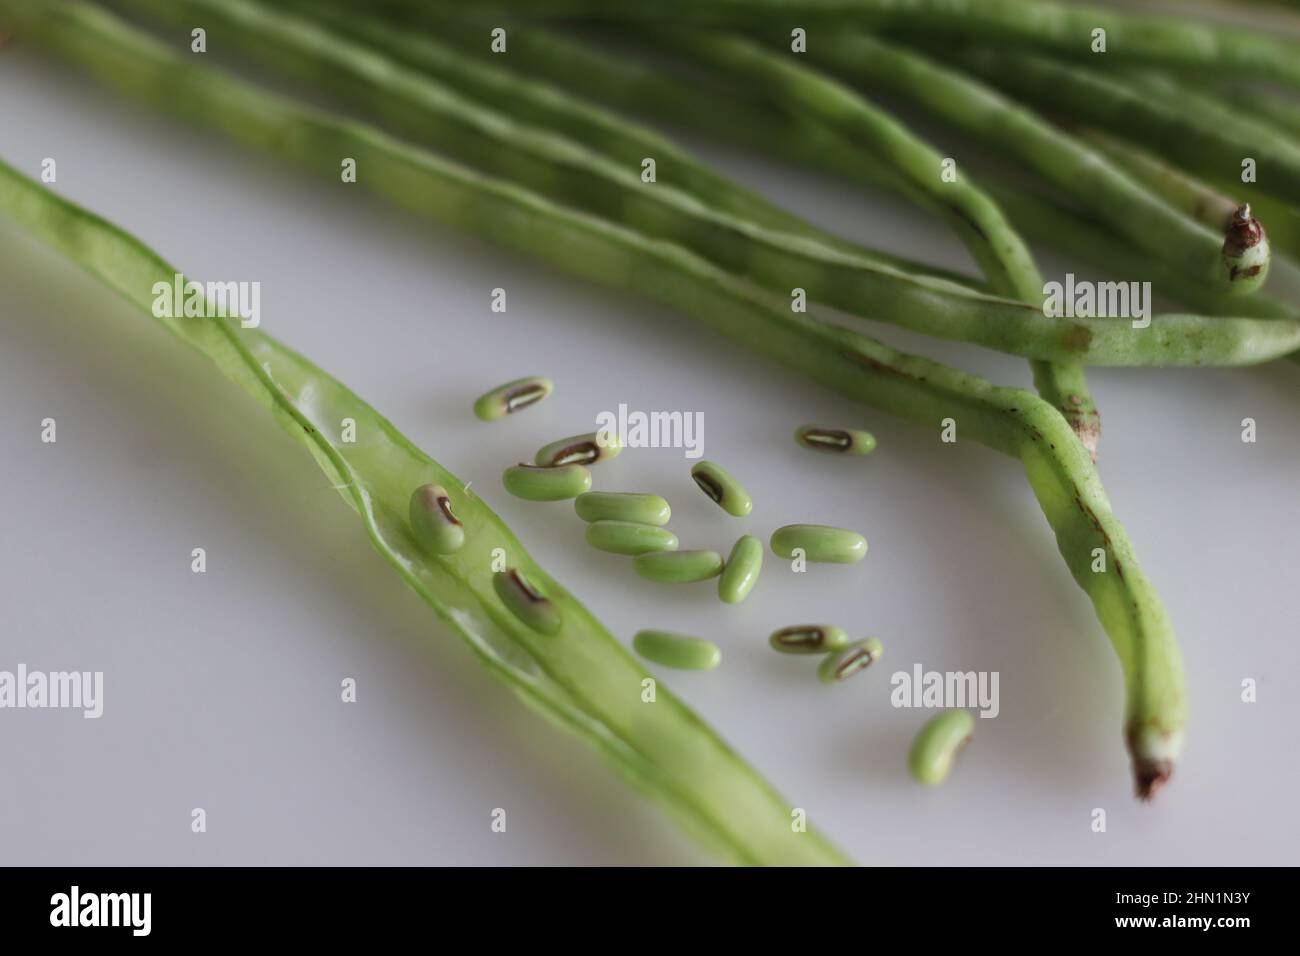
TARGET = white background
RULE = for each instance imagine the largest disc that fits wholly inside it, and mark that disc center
(222, 689)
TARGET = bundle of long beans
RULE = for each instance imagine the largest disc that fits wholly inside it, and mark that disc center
(516, 121)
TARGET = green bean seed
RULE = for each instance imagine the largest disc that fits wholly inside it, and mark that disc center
(678, 567)
(841, 441)
(434, 524)
(511, 397)
(542, 483)
(940, 740)
(628, 537)
(580, 450)
(819, 543)
(718, 484)
(677, 650)
(740, 573)
(622, 506)
(842, 665)
(809, 639)
(526, 602)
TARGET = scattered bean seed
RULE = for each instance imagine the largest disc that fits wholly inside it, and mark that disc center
(677, 650)
(628, 537)
(542, 483)
(842, 441)
(585, 449)
(939, 741)
(678, 567)
(842, 665)
(433, 523)
(511, 397)
(718, 484)
(526, 602)
(622, 506)
(819, 543)
(740, 573)
(809, 639)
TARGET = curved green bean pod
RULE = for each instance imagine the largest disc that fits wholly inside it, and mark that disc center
(1014, 421)
(436, 116)
(579, 675)
(1066, 29)
(124, 58)
(581, 120)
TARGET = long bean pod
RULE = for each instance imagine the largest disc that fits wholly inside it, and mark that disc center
(1013, 421)
(1066, 29)
(127, 59)
(579, 675)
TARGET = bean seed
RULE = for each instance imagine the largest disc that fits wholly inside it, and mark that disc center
(511, 397)
(939, 741)
(718, 484)
(858, 656)
(842, 441)
(819, 543)
(585, 449)
(809, 639)
(677, 650)
(628, 537)
(622, 506)
(526, 602)
(434, 524)
(540, 483)
(740, 573)
(678, 567)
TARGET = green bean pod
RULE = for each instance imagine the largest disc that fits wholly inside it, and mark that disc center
(577, 676)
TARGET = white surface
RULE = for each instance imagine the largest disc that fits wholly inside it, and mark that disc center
(222, 690)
